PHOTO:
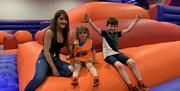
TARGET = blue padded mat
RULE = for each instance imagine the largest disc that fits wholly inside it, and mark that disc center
(172, 85)
(8, 73)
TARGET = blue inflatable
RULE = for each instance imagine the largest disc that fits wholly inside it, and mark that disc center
(8, 73)
(169, 14)
(142, 3)
(32, 26)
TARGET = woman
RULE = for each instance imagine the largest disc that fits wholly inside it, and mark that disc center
(48, 62)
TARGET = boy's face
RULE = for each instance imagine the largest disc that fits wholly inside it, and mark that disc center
(82, 35)
(112, 28)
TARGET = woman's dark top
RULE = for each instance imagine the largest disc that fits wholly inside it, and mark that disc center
(55, 47)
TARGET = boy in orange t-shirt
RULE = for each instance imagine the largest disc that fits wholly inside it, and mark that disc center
(83, 53)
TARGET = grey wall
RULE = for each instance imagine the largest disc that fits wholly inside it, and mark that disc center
(35, 9)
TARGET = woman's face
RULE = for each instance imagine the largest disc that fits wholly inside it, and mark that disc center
(82, 35)
(61, 21)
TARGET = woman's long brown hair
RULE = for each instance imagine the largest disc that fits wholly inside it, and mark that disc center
(53, 26)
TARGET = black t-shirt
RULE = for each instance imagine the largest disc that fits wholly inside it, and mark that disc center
(111, 38)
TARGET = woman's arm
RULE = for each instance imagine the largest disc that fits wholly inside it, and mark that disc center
(68, 45)
(71, 54)
(47, 45)
(98, 30)
(138, 17)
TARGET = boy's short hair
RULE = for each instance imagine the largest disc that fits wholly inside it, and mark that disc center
(112, 21)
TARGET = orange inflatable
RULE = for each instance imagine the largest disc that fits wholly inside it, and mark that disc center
(152, 66)
(152, 59)
(10, 42)
(104, 10)
(153, 45)
(2, 33)
(23, 36)
(145, 32)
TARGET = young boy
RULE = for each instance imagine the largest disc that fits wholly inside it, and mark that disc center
(83, 53)
(111, 53)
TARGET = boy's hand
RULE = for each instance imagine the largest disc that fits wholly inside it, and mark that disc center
(86, 17)
(68, 57)
(138, 16)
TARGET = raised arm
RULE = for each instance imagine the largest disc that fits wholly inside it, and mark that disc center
(47, 45)
(98, 30)
(132, 25)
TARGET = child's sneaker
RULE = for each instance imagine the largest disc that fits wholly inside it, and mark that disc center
(142, 86)
(132, 88)
(96, 82)
(75, 82)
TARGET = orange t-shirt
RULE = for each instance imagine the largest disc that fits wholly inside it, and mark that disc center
(83, 53)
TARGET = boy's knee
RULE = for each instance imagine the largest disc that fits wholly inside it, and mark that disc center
(131, 63)
(89, 65)
(71, 68)
(118, 65)
(77, 67)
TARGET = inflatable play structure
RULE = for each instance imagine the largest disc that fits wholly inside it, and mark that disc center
(154, 45)
(11, 26)
(165, 13)
(172, 2)
(142, 3)
(8, 72)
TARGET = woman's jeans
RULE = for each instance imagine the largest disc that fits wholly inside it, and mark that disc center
(43, 69)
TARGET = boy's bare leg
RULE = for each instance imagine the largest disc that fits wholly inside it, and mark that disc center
(122, 71)
(93, 71)
(77, 68)
(125, 76)
(132, 65)
(134, 68)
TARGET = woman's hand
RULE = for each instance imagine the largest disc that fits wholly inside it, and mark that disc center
(55, 72)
